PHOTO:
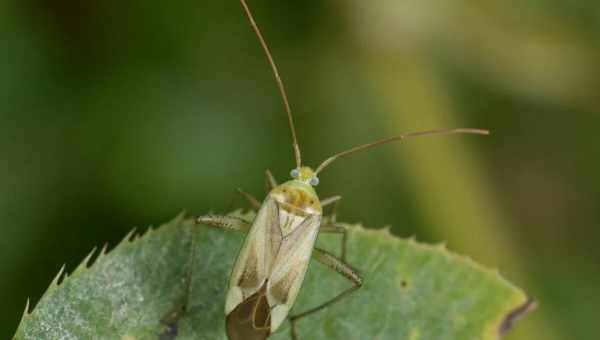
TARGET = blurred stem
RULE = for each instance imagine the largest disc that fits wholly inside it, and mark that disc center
(450, 185)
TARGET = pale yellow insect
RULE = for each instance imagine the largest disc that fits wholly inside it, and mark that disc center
(271, 265)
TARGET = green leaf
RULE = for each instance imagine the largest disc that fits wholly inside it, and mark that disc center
(137, 291)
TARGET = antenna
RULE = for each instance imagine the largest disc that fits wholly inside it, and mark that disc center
(399, 138)
(286, 104)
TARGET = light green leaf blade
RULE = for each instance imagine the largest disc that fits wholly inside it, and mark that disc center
(411, 291)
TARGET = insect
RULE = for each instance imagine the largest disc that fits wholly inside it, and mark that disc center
(280, 241)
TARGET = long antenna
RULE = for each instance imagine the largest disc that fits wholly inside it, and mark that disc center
(399, 138)
(286, 103)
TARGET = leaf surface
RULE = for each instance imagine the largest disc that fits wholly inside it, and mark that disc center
(139, 291)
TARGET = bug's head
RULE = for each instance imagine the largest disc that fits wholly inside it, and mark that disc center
(306, 175)
(299, 192)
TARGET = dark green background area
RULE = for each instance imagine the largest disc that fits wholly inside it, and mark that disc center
(122, 114)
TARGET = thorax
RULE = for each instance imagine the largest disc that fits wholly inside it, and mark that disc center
(296, 201)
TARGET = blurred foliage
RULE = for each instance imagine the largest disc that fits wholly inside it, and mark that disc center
(116, 114)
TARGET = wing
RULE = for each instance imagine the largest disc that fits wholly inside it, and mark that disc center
(251, 319)
(269, 270)
(289, 268)
(255, 259)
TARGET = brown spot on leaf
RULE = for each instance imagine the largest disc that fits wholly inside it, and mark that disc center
(514, 315)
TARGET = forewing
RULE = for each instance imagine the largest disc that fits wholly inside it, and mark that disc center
(289, 268)
(251, 319)
(255, 259)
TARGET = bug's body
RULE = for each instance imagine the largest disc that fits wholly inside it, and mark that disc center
(271, 265)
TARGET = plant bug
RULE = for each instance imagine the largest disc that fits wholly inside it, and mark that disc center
(280, 241)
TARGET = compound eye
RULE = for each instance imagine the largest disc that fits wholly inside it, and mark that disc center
(314, 181)
(295, 173)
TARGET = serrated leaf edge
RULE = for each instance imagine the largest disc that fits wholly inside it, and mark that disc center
(501, 325)
(86, 264)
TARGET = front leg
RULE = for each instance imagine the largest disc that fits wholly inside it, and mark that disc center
(171, 319)
(225, 222)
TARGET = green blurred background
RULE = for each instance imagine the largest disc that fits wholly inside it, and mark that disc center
(115, 114)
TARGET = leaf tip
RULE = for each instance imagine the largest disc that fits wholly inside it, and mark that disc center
(386, 231)
(58, 278)
(129, 237)
(86, 262)
(26, 312)
(442, 246)
(103, 250)
(24, 316)
(148, 232)
(180, 217)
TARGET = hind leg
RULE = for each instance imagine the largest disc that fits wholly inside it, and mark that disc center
(338, 266)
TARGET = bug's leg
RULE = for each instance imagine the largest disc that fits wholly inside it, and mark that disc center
(339, 267)
(330, 200)
(270, 180)
(254, 202)
(337, 229)
(224, 222)
(170, 320)
(335, 200)
(330, 225)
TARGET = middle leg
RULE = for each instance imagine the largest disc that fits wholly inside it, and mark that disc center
(270, 180)
(254, 202)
